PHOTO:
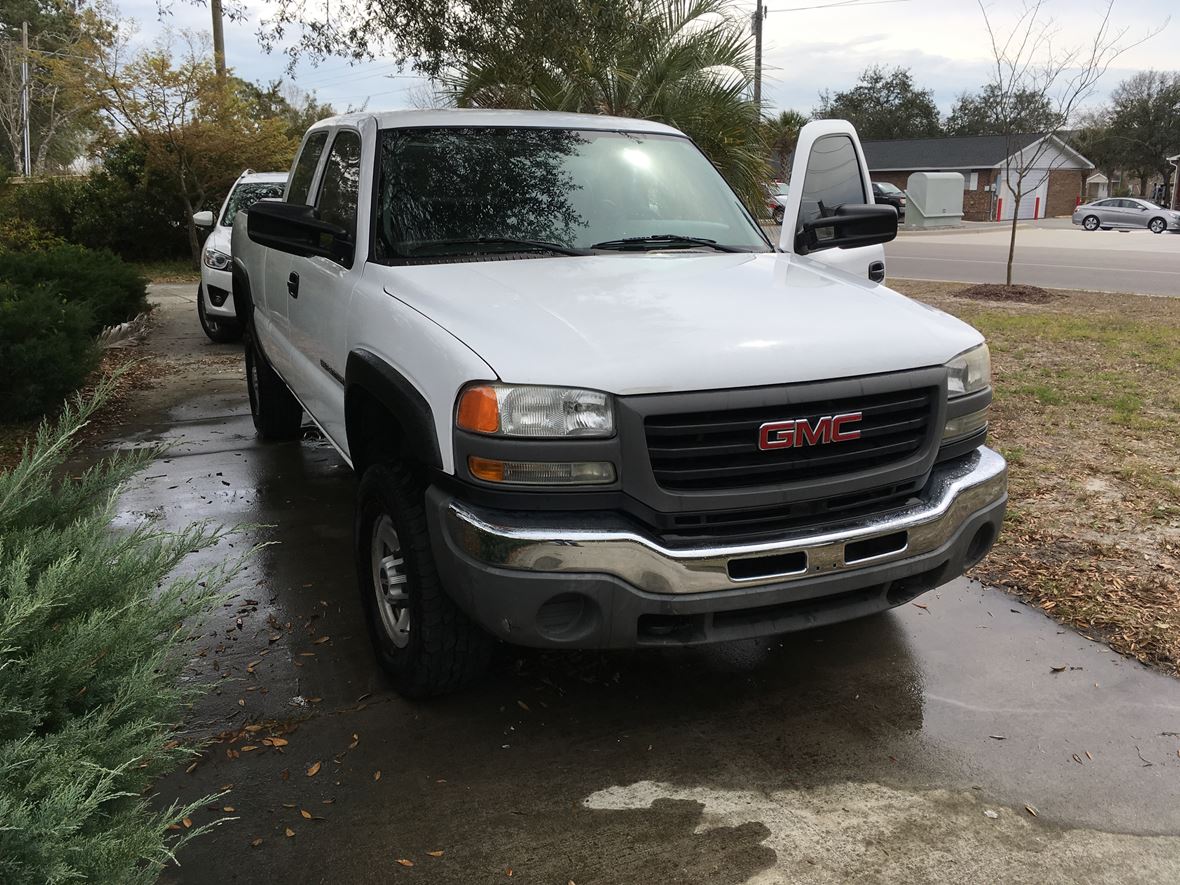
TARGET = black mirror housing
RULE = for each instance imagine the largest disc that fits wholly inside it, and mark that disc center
(852, 225)
(297, 229)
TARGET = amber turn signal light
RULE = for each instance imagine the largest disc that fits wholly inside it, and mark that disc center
(486, 469)
(479, 410)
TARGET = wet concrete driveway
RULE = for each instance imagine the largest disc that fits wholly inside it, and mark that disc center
(909, 747)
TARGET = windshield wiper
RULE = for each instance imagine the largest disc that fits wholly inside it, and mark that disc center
(519, 244)
(661, 241)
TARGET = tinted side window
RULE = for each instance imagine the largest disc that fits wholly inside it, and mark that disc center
(341, 182)
(833, 178)
(309, 158)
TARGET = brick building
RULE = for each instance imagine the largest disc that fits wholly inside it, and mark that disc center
(1051, 188)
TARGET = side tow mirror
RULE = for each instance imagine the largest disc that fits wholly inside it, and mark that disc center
(298, 230)
(852, 225)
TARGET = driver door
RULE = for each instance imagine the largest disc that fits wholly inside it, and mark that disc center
(829, 171)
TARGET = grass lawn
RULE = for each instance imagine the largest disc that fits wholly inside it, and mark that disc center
(178, 271)
(1087, 402)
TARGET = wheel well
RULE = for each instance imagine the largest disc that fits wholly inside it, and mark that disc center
(243, 297)
(374, 432)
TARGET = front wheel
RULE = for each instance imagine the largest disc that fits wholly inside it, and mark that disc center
(277, 414)
(1091, 222)
(1157, 226)
(422, 640)
(218, 329)
(777, 215)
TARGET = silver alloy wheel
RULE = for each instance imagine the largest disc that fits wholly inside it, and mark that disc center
(1158, 225)
(389, 581)
(1090, 223)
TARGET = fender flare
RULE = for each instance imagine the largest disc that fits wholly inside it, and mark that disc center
(242, 294)
(368, 372)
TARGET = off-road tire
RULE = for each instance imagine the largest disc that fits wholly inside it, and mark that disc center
(1091, 222)
(219, 330)
(443, 649)
(1157, 225)
(277, 414)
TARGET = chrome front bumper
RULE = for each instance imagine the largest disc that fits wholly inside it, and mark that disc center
(604, 544)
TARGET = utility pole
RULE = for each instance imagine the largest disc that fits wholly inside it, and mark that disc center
(759, 14)
(24, 98)
(218, 40)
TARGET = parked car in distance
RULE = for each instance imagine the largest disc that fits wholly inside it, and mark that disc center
(776, 200)
(884, 192)
(215, 302)
(1126, 212)
(591, 404)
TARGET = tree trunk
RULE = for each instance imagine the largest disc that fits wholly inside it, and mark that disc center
(1012, 238)
(194, 239)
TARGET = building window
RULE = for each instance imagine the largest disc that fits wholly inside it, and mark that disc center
(971, 181)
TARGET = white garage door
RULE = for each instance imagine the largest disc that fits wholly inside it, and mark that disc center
(1033, 198)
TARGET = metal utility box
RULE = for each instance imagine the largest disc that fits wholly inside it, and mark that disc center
(935, 199)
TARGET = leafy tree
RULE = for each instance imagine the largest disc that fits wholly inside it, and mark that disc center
(683, 62)
(296, 108)
(781, 133)
(978, 113)
(1145, 124)
(1094, 140)
(198, 132)
(62, 38)
(883, 104)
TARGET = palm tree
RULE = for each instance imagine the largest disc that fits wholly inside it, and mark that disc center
(781, 133)
(687, 63)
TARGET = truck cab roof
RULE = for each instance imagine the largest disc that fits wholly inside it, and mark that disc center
(463, 117)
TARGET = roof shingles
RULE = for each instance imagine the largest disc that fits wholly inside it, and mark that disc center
(954, 152)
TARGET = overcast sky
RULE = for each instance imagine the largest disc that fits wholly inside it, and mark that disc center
(942, 41)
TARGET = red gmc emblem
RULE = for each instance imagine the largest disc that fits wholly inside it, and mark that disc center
(801, 432)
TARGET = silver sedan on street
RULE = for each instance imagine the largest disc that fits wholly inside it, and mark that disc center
(1125, 212)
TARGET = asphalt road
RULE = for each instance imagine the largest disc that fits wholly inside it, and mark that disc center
(912, 746)
(1055, 256)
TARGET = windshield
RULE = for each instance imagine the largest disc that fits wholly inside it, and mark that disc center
(570, 188)
(778, 189)
(887, 188)
(246, 195)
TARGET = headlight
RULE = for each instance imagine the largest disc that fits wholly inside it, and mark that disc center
(216, 260)
(535, 412)
(969, 371)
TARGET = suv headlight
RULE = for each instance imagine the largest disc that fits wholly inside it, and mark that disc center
(969, 372)
(533, 412)
(216, 260)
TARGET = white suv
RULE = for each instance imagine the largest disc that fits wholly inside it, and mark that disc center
(215, 300)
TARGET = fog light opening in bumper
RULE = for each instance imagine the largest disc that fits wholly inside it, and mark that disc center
(217, 295)
(567, 616)
(980, 544)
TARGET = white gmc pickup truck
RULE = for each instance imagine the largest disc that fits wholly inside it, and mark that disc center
(591, 404)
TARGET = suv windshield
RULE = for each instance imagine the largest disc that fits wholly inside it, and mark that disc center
(448, 191)
(246, 195)
(887, 188)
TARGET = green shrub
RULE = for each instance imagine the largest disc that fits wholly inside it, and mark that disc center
(19, 235)
(112, 290)
(91, 650)
(46, 349)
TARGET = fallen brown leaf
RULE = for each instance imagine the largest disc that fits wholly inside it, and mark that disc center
(188, 822)
(290, 832)
(314, 770)
(255, 843)
(1030, 809)
(228, 809)
(438, 853)
(377, 775)
(306, 814)
(404, 862)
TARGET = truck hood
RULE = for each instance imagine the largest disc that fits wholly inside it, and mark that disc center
(663, 322)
